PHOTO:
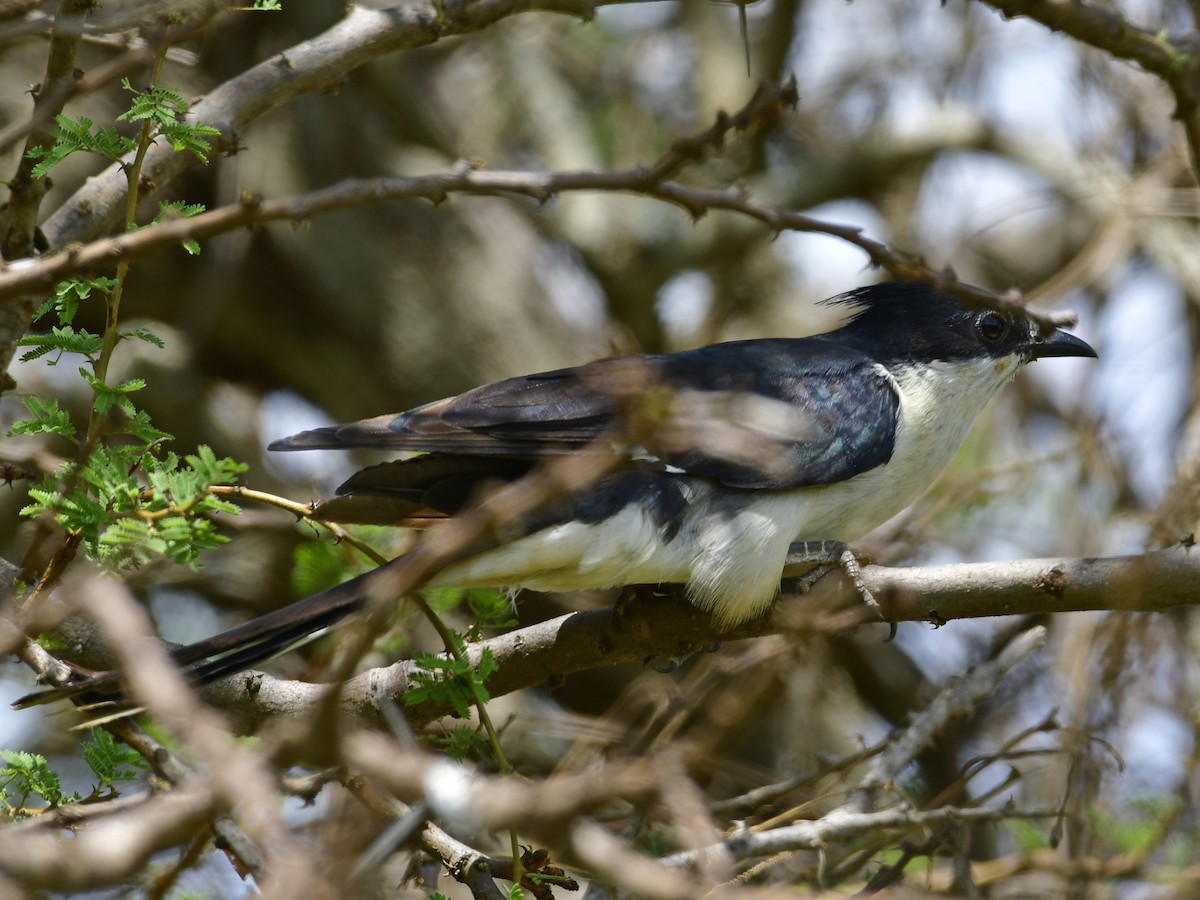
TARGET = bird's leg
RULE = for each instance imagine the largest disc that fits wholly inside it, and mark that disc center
(826, 555)
(632, 594)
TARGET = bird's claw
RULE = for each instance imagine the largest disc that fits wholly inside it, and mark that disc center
(835, 554)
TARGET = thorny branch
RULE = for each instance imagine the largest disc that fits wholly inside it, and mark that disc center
(465, 179)
(649, 181)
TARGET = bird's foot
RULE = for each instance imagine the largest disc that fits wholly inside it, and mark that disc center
(633, 594)
(828, 555)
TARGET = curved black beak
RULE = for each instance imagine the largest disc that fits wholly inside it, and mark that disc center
(1059, 343)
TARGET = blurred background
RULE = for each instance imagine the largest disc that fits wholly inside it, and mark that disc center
(1016, 156)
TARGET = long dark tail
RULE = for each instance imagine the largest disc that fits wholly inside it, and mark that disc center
(234, 650)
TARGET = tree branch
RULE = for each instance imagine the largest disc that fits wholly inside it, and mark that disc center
(464, 179)
(318, 64)
(543, 653)
(109, 851)
(815, 834)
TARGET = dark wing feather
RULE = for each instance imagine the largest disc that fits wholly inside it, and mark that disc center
(821, 412)
(750, 414)
(410, 491)
(524, 417)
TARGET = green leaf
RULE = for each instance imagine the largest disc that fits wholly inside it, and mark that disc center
(165, 108)
(26, 774)
(109, 761)
(179, 209)
(110, 395)
(464, 742)
(443, 679)
(1029, 836)
(64, 339)
(70, 293)
(143, 334)
(316, 566)
(45, 417)
(74, 136)
(131, 505)
(142, 428)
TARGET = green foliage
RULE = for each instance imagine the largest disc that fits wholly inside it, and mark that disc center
(45, 416)
(515, 892)
(160, 106)
(131, 506)
(26, 775)
(74, 136)
(70, 293)
(130, 501)
(143, 334)
(179, 209)
(1130, 834)
(265, 6)
(110, 396)
(316, 566)
(109, 761)
(451, 680)
(165, 108)
(492, 608)
(64, 339)
(463, 742)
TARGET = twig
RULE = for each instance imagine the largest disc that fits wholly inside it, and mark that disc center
(769, 793)
(464, 179)
(841, 825)
(960, 698)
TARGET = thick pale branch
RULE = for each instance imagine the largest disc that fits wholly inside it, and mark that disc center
(667, 627)
(1151, 582)
(543, 653)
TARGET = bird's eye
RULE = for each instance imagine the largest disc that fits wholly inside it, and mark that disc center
(992, 326)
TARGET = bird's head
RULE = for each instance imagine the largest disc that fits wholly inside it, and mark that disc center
(907, 322)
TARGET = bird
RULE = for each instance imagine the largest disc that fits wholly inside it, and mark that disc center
(728, 460)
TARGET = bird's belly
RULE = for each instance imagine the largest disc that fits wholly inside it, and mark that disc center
(727, 545)
(628, 548)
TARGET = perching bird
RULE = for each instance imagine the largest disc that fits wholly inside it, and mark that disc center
(760, 445)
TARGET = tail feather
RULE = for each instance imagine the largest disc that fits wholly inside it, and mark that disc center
(230, 651)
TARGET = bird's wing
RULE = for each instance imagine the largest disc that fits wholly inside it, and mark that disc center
(750, 414)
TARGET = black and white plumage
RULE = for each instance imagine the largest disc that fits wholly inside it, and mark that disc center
(760, 444)
(837, 432)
